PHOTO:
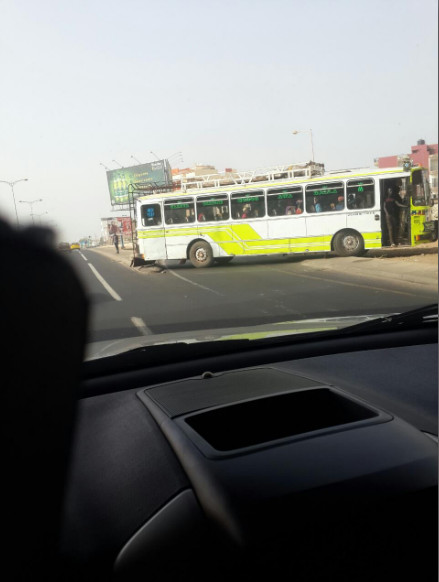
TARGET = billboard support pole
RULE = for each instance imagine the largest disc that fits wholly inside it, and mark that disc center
(131, 201)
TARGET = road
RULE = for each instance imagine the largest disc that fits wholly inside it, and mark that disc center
(127, 303)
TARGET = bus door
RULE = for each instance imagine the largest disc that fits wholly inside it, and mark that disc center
(249, 223)
(364, 213)
(286, 222)
(395, 226)
(150, 234)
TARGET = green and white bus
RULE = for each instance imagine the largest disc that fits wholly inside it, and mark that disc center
(281, 213)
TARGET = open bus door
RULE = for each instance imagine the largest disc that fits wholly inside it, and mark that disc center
(396, 228)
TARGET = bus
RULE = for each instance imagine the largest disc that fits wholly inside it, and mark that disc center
(285, 212)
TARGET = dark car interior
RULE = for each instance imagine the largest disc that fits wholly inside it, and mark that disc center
(308, 459)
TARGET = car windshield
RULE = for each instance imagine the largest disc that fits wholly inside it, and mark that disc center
(241, 170)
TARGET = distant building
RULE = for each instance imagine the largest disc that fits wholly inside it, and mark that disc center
(422, 154)
(419, 155)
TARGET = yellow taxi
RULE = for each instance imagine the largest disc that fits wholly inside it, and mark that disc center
(74, 246)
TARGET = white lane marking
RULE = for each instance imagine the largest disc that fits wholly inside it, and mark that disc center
(83, 256)
(110, 290)
(141, 326)
(193, 283)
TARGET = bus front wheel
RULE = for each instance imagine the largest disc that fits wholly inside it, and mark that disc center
(201, 254)
(348, 243)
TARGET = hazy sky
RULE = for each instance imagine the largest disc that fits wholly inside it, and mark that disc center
(224, 82)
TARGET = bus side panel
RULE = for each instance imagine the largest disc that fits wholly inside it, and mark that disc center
(251, 236)
(287, 234)
(221, 238)
(418, 234)
(368, 223)
(320, 228)
(152, 243)
(178, 238)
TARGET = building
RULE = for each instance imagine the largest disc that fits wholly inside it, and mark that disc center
(419, 156)
(422, 154)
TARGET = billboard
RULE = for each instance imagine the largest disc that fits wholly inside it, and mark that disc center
(158, 172)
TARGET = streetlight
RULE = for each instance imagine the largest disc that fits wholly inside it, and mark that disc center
(136, 160)
(179, 154)
(155, 155)
(12, 184)
(31, 202)
(116, 162)
(296, 131)
(101, 164)
(40, 215)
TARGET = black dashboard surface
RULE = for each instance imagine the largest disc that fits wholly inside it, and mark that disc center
(130, 461)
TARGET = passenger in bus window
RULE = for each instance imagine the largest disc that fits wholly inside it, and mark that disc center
(299, 206)
(360, 202)
(245, 211)
(340, 203)
(290, 210)
(317, 205)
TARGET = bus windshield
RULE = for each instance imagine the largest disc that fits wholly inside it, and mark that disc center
(420, 189)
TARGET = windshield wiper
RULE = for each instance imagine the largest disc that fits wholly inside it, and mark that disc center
(409, 319)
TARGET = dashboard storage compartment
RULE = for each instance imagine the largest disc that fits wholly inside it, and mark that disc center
(281, 416)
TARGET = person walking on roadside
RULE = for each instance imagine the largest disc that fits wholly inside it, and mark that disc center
(116, 242)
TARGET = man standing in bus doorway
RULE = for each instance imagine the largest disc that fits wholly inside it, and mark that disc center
(391, 211)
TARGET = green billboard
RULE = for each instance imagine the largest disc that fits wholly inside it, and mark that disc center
(155, 173)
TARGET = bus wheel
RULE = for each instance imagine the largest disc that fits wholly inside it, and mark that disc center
(348, 243)
(223, 260)
(201, 254)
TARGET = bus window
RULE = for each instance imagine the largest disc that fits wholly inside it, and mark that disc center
(324, 197)
(179, 211)
(284, 201)
(360, 194)
(213, 208)
(151, 214)
(248, 205)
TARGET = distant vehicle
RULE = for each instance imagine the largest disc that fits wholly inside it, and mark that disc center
(74, 246)
(64, 246)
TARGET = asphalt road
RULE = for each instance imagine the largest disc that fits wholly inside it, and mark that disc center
(126, 303)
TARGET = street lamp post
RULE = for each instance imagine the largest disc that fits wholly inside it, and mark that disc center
(31, 202)
(136, 160)
(155, 155)
(12, 184)
(296, 131)
(40, 215)
(179, 154)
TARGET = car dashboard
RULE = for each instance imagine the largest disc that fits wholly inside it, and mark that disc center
(323, 465)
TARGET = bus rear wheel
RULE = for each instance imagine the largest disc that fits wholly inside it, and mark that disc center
(348, 243)
(201, 254)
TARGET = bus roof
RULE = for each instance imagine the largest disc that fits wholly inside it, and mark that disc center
(331, 175)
